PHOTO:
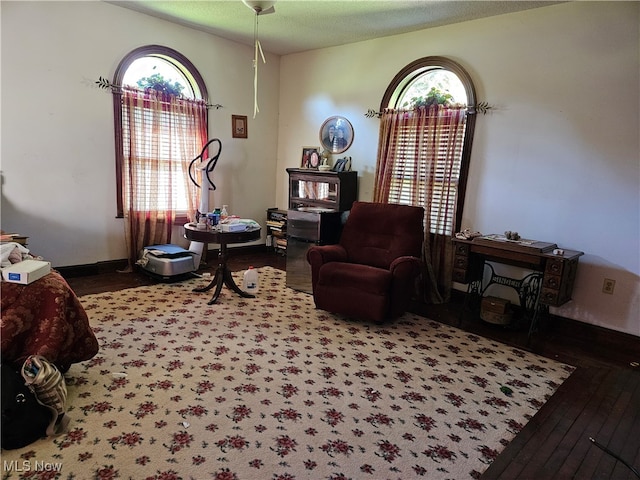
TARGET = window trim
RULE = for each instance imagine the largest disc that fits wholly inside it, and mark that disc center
(407, 75)
(183, 64)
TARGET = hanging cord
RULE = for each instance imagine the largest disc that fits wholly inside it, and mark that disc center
(606, 450)
(258, 48)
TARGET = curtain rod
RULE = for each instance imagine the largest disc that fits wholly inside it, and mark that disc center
(482, 107)
(105, 84)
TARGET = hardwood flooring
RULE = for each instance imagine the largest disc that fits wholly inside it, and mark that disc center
(601, 399)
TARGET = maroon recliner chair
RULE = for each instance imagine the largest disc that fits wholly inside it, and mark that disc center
(370, 274)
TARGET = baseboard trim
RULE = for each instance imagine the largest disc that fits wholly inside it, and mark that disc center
(111, 266)
(90, 269)
(593, 337)
(599, 340)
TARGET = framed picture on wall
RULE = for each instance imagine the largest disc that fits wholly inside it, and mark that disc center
(310, 158)
(336, 134)
(239, 126)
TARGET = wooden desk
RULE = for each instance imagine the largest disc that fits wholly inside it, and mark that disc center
(223, 274)
(551, 283)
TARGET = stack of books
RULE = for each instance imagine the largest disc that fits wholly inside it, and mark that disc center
(280, 242)
(277, 229)
(276, 225)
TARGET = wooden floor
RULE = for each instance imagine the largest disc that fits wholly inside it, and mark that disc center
(601, 399)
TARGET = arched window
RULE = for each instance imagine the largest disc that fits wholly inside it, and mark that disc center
(156, 67)
(426, 84)
(160, 110)
(426, 132)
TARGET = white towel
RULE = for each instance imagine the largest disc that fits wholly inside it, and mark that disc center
(7, 248)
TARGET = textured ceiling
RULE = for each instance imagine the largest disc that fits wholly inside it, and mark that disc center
(300, 25)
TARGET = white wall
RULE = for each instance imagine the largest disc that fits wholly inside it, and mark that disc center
(58, 168)
(556, 161)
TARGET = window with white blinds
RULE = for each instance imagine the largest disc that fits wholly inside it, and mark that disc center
(408, 185)
(428, 162)
(162, 138)
(152, 142)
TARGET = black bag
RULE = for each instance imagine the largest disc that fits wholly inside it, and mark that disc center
(24, 420)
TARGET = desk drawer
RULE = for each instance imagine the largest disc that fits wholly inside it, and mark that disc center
(554, 266)
(557, 282)
(461, 262)
(461, 249)
(550, 296)
(467, 269)
(552, 281)
(460, 276)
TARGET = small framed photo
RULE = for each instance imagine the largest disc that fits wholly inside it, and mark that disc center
(310, 157)
(239, 126)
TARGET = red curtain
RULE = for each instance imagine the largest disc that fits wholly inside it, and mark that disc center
(419, 160)
(161, 135)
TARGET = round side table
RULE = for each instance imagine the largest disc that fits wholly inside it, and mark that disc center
(223, 274)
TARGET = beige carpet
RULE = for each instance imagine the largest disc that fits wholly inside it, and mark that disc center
(272, 389)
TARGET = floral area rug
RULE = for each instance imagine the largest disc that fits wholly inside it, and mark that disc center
(272, 389)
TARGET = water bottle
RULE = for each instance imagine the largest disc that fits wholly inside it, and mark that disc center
(250, 281)
(214, 218)
(224, 213)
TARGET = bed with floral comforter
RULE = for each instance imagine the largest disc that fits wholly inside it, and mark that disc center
(45, 318)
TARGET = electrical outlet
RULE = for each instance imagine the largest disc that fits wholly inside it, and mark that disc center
(608, 286)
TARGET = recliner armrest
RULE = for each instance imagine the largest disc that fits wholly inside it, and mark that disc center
(326, 253)
(404, 265)
(318, 255)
